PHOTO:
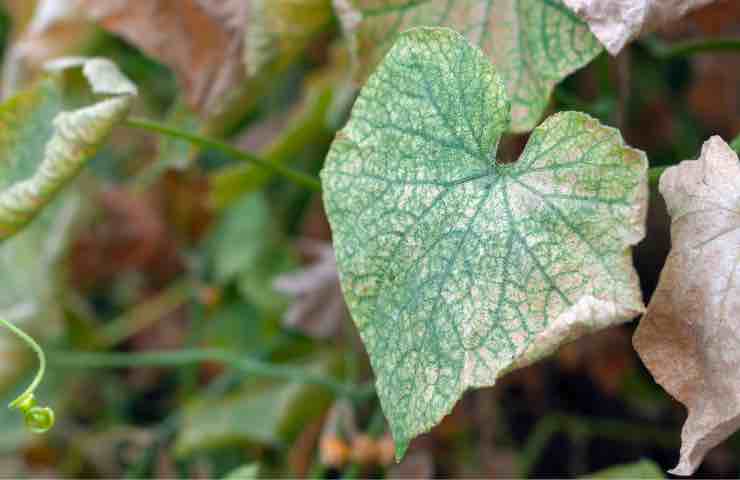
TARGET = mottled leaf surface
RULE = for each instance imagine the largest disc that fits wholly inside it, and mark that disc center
(534, 44)
(457, 268)
(690, 336)
(43, 147)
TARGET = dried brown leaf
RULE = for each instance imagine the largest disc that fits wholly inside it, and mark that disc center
(690, 336)
(201, 40)
(616, 22)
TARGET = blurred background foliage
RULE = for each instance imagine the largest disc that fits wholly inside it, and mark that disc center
(190, 306)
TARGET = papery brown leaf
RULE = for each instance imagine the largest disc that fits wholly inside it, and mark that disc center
(201, 40)
(690, 336)
(616, 22)
(318, 309)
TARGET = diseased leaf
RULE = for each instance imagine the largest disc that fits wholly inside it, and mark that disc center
(201, 40)
(616, 22)
(42, 147)
(689, 338)
(457, 268)
(534, 44)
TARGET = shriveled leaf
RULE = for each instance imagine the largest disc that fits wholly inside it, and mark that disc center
(642, 469)
(534, 44)
(264, 412)
(457, 268)
(43, 147)
(279, 29)
(616, 22)
(201, 40)
(689, 338)
(318, 308)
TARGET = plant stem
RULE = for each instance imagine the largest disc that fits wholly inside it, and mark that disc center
(295, 176)
(146, 313)
(191, 356)
(42, 362)
(663, 50)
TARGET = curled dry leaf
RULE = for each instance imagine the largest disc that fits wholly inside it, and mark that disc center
(318, 308)
(534, 44)
(616, 22)
(201, 40)
(457, 268)
(43, 147)
(690, 336)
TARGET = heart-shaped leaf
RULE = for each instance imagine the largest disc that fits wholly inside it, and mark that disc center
(42, 147)
(690, 337)
(457, 268)
(534, 44)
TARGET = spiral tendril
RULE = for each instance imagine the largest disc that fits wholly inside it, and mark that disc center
(37, 419)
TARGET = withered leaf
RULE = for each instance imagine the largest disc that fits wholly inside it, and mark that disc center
(690, 336)
(201, 40)
(616, 22)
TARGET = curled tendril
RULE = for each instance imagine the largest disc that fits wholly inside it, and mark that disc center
(37, 419)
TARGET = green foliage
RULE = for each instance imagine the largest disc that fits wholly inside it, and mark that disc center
(642, 469)
(457, 268)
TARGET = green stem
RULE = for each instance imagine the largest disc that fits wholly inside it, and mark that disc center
(38, 419)
(187, 357)
(295, 176)
(735, 144)
(42, 362)
(684, 49)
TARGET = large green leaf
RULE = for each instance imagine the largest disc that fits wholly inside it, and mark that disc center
(534, 44)
(43, 147)
(457, 268)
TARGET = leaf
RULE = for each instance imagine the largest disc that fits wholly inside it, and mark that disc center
(248, 472)
(201, 40)
(318, 309)
(246, 249)
(616, 22)
(265, 412)
(43, 147)
(457, 268)
(641, 469)
(534, 44)
(689, 338)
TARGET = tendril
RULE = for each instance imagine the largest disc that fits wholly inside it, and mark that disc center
(37, 419)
